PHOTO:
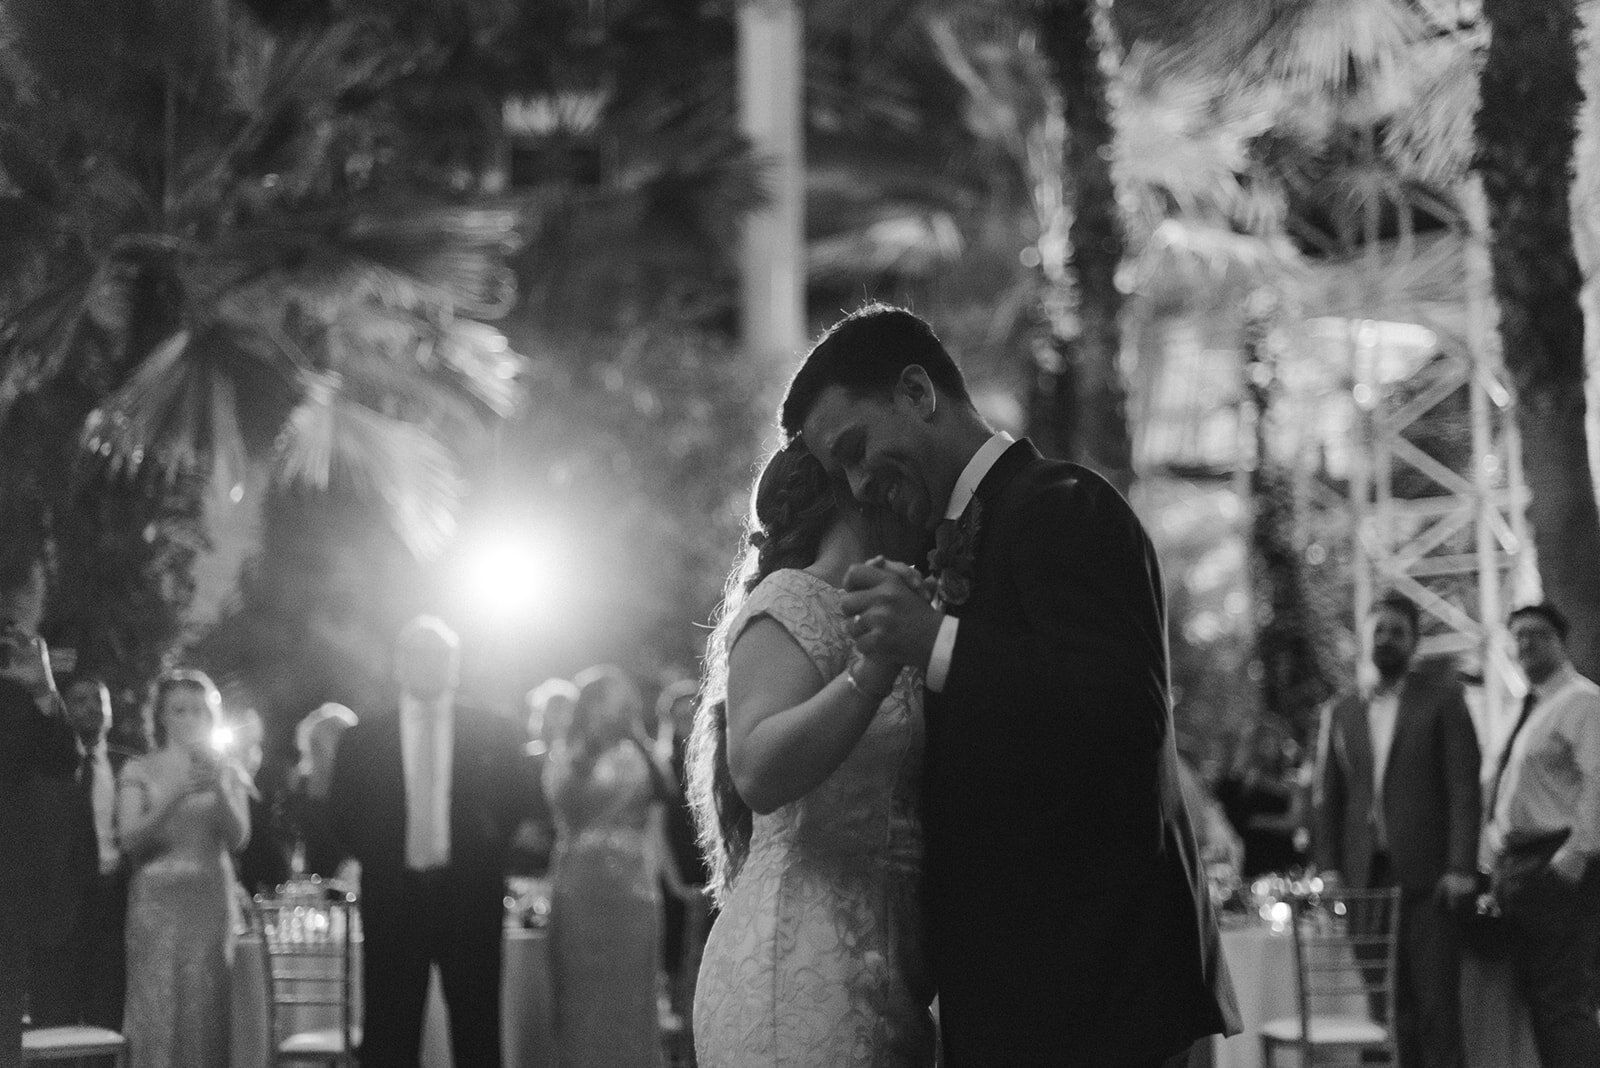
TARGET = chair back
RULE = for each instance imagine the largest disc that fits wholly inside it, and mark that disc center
(308, 936)
(1345, 945)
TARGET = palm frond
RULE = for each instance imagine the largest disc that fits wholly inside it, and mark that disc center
(328, 437)
(1193, 254)
(436, 254)
(902, 240)
(1431, 139)
(180, 410)
(484, 362)
(1354, 48)
(43, 331)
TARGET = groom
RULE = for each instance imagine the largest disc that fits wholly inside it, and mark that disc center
(1068, 914)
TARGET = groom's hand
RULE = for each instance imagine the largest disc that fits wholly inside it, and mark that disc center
(888, 617)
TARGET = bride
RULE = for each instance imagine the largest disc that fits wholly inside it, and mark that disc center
(805, 766)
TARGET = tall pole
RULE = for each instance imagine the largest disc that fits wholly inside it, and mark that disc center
(771, 92)
(1480, 298)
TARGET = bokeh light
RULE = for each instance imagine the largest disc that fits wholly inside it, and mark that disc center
(512, 576)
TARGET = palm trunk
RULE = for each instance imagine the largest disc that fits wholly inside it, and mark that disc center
(1526, 129)
(1100, 433)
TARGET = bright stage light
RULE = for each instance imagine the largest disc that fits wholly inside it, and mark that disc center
(516, 576)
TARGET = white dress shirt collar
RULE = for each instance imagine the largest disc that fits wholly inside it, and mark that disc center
(973, 473)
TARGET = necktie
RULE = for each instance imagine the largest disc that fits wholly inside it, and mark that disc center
(1505, 753)
(420, 825)
(88, 836)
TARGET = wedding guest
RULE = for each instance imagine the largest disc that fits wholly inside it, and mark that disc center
(426, 794)
(34, 733)
(317, 743)
(1266, 796)
(606, 792)
(102, 965)
(675, 712)
(1542, 839)
(263, 863)
(806, 767)
(1397, 804)
(181, 812)
(78, 869)
(1220, 845)
(550, 707)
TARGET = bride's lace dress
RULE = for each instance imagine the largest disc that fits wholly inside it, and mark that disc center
(817, 958)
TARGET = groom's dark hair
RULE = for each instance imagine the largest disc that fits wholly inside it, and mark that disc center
(865, 352)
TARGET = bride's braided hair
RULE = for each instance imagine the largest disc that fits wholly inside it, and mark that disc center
(793, 507)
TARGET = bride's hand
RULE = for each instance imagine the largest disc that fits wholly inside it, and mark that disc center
(872, 674)
(913, 579)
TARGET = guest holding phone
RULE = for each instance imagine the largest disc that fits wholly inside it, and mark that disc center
(181, 811)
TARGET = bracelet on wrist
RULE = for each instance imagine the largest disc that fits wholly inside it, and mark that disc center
(850, 680)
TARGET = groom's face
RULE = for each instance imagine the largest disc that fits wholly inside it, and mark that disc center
(882, 446)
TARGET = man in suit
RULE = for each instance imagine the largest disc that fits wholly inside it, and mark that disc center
(77, 962)
(1541, 841)
(426, 797)
(1396, 803)
(1066, 902)
(34, 734)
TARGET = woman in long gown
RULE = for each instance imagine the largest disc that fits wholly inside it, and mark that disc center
(816, 958)
(606, 794)
(181, 810)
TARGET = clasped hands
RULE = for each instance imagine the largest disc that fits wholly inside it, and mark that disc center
(888, 613)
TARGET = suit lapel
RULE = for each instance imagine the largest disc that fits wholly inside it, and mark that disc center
(1405, 713)
(1011, 462)
(1358, 739)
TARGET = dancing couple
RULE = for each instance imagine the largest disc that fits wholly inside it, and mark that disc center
(960, 781)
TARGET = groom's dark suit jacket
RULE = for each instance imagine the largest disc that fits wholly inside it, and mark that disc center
(1070, 922)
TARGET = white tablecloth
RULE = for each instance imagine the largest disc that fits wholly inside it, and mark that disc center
(1495, 1027)
(526, 1027)
(1261, 962)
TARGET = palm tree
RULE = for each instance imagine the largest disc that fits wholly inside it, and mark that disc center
(1526, 129)
(228, 264)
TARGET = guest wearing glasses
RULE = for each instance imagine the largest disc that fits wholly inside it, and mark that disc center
(181, 812)
(1542, 840)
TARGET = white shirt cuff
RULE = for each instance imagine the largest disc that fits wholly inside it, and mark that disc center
(944, 647)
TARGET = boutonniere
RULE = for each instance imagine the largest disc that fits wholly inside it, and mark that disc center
(955, 551)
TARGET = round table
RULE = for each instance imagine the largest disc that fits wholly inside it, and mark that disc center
(526, 1021)
(1494, 1023)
